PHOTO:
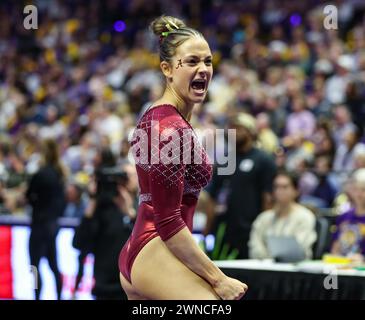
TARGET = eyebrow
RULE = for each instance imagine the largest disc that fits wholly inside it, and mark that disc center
(197, 57)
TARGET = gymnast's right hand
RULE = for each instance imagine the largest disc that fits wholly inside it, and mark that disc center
(230, 289)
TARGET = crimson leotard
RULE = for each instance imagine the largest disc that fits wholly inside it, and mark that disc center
(168, 191)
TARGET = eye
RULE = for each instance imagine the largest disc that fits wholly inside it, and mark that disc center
(191, 62)
(208, 62)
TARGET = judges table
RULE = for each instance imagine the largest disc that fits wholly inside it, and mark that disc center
(308, 280)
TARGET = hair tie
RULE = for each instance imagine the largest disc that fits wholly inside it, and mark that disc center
(166, 33)
(168, 27)
(176, 27)
(163, 35)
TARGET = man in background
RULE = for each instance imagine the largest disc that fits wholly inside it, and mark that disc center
(247, 190)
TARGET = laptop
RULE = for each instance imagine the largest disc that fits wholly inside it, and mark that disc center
(285, 249)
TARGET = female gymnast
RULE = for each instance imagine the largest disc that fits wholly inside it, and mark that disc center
(161, 259)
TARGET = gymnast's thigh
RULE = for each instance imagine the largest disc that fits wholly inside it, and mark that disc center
(158, 274)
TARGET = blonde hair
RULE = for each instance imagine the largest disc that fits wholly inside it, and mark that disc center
(172, 32)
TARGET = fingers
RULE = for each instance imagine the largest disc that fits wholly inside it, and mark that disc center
(243, 292)
(234, 290)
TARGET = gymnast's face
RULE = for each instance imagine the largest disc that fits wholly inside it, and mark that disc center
(191, 70)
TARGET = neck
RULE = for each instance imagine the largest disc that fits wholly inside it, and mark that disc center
(171, 96)
(283, 209)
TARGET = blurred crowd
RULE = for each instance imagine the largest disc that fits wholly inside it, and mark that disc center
(72, 90)
(90, 69)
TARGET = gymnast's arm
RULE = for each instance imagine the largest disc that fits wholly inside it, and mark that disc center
(166, 185)
(184, 246)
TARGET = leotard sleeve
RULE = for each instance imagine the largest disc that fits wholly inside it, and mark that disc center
(166, 178)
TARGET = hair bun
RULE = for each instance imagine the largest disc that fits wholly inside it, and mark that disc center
(165, 24)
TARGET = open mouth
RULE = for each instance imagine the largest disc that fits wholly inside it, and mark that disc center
(199, 85)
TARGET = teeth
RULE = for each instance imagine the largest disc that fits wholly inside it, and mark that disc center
(199, 81)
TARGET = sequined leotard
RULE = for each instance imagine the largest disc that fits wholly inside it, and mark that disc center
(168, 191)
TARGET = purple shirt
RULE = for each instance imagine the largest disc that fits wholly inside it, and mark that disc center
(301, 122)
(350, 232)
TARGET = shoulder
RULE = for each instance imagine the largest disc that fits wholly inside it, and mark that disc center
(44, 171)
(164, 116)
(265, 217)
(347, 215)
(304, 213)
(258, 152)
(262, 156)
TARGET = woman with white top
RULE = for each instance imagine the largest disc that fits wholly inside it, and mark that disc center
(286, 219)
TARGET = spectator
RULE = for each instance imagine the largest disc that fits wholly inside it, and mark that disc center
(46, 196)
(336, 85)
(359, 157)
(105, 227)
(54, 128)
(266, 137)
(79, 157)
(346, 152)
(287, 218)
(84, 246)
(110, 125)
(349, 237)
(343, 124)
(323, 142)
(326, 188)
(301, 122)
(251, 181)
(4, 206)
(76, 201)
